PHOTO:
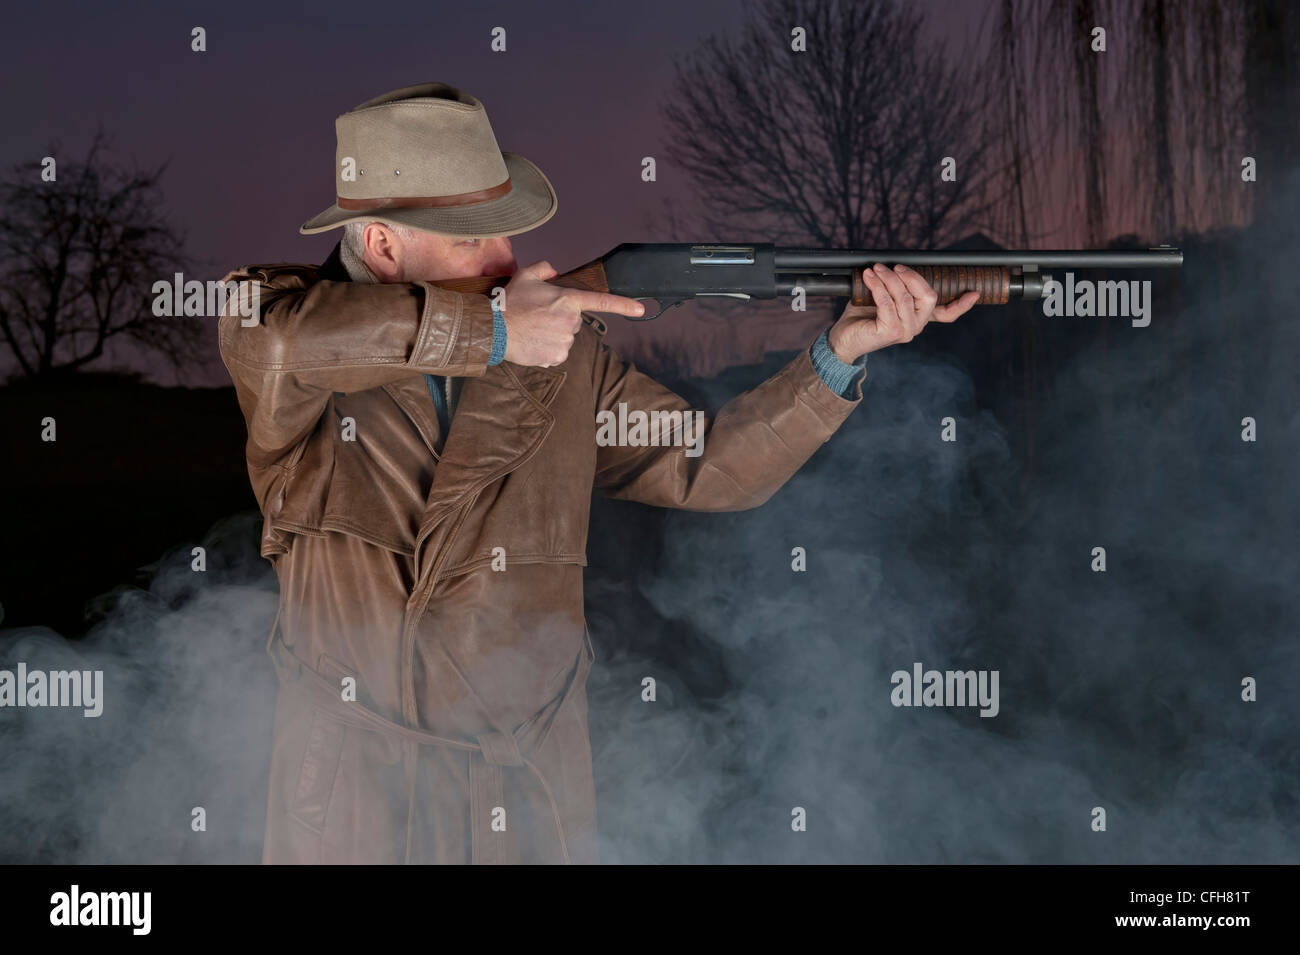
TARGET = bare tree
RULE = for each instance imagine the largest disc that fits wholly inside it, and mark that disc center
(1006, 69)
(1087, 99)
(1187, 127)
(841, 145)
(1145, 138)
(78, 258)
(1271, 63)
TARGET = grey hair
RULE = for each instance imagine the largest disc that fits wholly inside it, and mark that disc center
(354, 232)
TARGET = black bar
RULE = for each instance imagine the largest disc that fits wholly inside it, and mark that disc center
(229, 905)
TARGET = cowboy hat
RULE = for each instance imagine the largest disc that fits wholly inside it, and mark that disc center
(425, 157)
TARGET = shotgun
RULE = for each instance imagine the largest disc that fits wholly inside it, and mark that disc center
(671, 273)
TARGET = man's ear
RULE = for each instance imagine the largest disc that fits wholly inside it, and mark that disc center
(383, 252)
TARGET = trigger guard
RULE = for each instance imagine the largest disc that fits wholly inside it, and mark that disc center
(664, 303)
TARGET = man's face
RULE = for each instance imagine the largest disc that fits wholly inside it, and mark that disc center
(427, 257)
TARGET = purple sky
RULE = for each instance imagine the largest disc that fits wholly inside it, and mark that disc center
(248, 125)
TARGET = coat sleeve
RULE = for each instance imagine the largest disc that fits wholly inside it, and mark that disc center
(758, 440)
(318, 337)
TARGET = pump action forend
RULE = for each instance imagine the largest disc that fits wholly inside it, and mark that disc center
(671, 273)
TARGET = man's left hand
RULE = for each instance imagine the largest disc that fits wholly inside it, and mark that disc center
(904, 303)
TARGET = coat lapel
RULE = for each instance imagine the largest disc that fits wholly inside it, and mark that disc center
(500, 421)
(412, 396)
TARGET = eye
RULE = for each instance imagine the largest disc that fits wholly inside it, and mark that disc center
(470, 242)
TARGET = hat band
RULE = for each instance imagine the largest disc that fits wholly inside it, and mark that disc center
(426, 202)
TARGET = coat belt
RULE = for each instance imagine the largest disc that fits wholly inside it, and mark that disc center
(488, 753)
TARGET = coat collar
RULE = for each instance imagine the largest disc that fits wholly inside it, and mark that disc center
(524, 388)
(502, 418)
(501, 421)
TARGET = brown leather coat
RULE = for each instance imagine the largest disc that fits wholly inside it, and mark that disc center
(432, 708)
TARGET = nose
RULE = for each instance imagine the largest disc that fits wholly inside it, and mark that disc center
(498, 257)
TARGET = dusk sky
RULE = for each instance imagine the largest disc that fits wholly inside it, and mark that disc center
(248, 126)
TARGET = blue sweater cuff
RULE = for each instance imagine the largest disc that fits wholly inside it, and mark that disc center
(838, 376)
(498, 336)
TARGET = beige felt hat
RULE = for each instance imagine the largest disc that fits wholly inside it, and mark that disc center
(424, 156)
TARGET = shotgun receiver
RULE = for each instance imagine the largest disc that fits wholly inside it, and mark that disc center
(671, 273)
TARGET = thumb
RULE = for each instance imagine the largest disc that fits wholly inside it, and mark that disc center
(541, 271)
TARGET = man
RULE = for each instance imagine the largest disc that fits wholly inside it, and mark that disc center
(424, 463)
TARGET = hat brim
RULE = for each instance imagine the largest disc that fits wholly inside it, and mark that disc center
(529, 203)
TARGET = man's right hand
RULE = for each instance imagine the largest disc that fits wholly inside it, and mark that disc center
(542, 319)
